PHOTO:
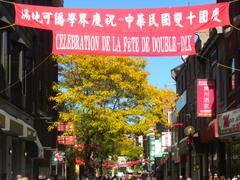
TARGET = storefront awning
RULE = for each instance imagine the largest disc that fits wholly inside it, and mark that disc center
(18, 127)
(208, 133)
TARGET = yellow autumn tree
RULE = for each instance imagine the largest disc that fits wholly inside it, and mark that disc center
(110, 102)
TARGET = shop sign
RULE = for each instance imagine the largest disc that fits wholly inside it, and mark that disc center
(158, 147)
(205, 98)
(228, 122)
(172, 117)
(181, 102)
(166, 141)
(151, 146)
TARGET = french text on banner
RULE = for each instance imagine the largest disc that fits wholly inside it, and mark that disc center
(160, 44)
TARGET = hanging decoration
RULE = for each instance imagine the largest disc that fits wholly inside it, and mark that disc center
(158, 44)
(123, 20)
(123, 32)
(108, 164)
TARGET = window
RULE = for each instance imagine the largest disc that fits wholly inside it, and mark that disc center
(222, 83)
(232, 76)
(4, 50)
(24, 1)
(4, 68)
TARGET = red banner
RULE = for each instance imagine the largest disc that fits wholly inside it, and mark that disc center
(205, 98)
(67, 140)
(127, 164)
(163, 44)
(151, 20)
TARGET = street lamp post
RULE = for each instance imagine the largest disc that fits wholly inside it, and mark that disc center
(50, 163)
(189, 131)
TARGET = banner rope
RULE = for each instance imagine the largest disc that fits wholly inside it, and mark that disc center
(24, 77)
(6, 2)
(5, 27)
(233, 1)
(234, 27)
(218, 64)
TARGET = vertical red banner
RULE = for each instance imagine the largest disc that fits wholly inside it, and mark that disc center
(205, 98)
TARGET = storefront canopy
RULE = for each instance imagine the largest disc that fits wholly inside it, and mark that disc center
(18, 127)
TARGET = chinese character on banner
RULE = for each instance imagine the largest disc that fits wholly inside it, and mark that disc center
(123, 32)
(205, 98)
(123, 20)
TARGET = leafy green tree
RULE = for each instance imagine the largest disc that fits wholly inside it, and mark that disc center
(111, 104)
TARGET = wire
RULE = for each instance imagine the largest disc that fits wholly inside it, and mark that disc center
(233, 1)
(219, 64)
(24, 77)
(5, 27)
(234, 27)
(6, 2)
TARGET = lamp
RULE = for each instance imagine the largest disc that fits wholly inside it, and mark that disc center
(10, 151)
(189, 131)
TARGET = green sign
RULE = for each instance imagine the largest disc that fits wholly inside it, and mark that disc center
(151, 146)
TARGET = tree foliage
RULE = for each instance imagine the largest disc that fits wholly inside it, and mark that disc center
(110, 102)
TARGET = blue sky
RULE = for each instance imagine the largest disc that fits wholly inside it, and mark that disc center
(158, 67)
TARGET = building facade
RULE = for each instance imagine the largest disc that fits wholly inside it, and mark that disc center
(27, 73)
(212, 149)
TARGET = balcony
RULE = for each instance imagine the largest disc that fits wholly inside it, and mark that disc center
(57, 3)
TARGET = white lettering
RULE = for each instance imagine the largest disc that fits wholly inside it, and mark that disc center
(164, 44)
(77, 42)
(186, 43)
(131, 44)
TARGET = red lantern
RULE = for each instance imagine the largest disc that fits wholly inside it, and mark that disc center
(79, 161)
